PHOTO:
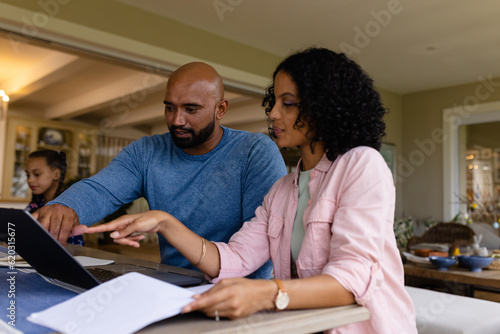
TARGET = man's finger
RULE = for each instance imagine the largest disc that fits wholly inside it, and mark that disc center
(42, 218)
(65, 230)
(54, 225)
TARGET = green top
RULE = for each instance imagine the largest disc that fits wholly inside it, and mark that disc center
(298, 225)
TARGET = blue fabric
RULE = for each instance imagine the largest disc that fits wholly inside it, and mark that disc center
(30, 293)
(212, 194)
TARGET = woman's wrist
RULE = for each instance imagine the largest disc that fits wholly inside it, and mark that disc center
(270, 293)
(164, 223)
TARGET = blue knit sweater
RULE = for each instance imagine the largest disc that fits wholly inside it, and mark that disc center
(212, 194)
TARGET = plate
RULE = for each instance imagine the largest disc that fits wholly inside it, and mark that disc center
(418, 260)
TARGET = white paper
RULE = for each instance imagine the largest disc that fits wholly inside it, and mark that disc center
(83, 260)
(200, 288)
(122, 305)
(417, 259)
(8, 329)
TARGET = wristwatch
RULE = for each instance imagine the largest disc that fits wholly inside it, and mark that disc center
(282, 299)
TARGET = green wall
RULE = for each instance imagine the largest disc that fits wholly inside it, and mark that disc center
(422, 154)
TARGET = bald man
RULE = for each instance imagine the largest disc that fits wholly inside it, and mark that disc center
(209, 177)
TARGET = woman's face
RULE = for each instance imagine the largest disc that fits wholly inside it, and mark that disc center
(41, 177)
(285, 113)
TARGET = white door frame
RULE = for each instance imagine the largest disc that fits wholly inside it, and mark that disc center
(452, 152)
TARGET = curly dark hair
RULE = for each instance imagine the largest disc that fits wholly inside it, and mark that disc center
(337, 99)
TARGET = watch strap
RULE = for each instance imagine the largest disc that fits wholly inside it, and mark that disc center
(281, 287)
(282, 293)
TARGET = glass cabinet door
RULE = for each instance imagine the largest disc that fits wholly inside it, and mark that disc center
(25, 135)
(22, 149)
(85, 147)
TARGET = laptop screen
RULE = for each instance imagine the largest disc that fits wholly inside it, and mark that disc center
(40, 249)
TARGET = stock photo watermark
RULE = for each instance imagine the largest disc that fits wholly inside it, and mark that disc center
(128, 102)
(32, 24)
(11, 274)
(485, 87)
(365, 34)
(470, 104)
(426, 147)
(223, 6)
(90, 308)
(436, 307)
(121, 108)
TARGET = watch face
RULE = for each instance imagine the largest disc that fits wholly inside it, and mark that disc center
(282, 301)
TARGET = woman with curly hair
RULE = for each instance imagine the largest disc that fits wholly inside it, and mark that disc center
(328, 227)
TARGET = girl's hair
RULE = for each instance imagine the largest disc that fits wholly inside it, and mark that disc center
(55, 159)
(337, 99)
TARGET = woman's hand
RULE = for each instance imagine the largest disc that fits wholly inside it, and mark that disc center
(240, 297)
(235, 298)
(126, 227)
(197, 250)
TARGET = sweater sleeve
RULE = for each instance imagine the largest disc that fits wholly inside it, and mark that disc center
(248, 249)
(264, 167)
(114, 186)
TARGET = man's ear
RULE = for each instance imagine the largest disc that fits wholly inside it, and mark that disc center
(222, 109)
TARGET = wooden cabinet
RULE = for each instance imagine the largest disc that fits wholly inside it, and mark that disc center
(25, 135)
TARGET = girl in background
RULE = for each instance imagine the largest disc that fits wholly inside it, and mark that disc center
(45, 172)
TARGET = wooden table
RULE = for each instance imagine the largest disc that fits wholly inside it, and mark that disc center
(290, 321)
(456, 279)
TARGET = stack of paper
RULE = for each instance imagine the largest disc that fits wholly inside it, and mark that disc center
(123, 305)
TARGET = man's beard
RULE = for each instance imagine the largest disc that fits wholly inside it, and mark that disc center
(196, 139)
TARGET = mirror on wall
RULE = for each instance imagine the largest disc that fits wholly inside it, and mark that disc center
(480, 176)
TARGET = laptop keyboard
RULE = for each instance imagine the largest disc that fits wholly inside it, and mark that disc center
(103, 275)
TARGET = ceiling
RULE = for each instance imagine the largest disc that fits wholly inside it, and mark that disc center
(406, 46)
(70, 86)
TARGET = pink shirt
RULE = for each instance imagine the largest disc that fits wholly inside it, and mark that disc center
(348, 235)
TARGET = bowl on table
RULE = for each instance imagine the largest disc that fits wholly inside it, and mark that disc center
(443, 262)
(474, 262)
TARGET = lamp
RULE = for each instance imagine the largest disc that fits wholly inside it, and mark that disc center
(3, 127)
(5, 105)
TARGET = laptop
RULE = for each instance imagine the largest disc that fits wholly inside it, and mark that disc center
(47, 256)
